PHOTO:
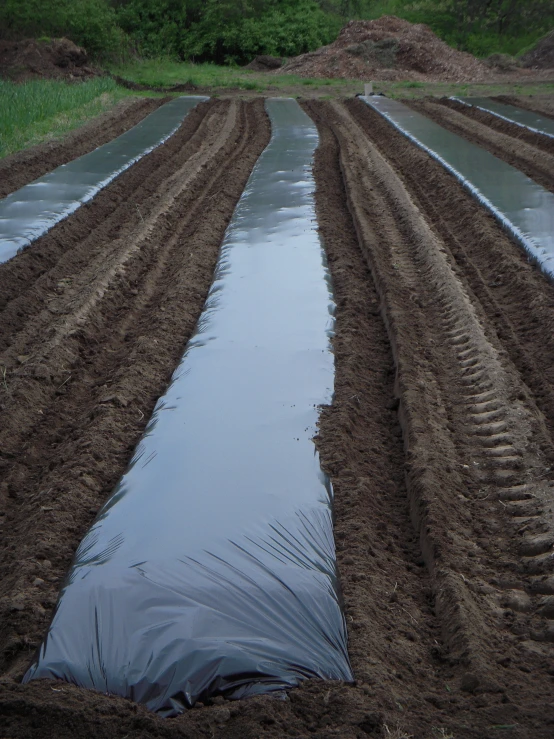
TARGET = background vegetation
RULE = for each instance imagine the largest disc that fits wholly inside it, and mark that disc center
(234, 31)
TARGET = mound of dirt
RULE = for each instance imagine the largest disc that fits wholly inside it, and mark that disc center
(502, 62)
(31, 59)
(389, 49)
(264, 63)
(541, 56)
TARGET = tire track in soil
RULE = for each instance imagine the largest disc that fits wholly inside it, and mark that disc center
(518, 304)
(473, 434)
(393, 636)
(103, 348)
(17, 170)
(536, 163)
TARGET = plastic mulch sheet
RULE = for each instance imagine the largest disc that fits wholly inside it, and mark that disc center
(211, 569)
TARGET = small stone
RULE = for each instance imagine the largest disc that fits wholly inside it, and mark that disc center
(37, 582)
(470, 682)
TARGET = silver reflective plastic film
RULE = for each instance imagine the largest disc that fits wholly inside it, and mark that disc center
(512, 114)
(31, 211)
(211, 569)
(525, 209)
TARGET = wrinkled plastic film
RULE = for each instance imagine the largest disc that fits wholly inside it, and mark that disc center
(211, 569)
(524, 208)
(34, 209)
(521, 117)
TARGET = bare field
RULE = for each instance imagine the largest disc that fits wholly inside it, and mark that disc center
(439, 444)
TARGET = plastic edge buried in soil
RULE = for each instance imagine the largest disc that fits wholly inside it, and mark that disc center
(523, 208)
(34, 209)
(211, 570)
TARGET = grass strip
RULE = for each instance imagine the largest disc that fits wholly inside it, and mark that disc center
(213, 79)
(43, 109)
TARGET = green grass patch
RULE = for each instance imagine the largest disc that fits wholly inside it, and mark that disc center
(43, 109)
(209, 77)
(221, 80)
(167, 72)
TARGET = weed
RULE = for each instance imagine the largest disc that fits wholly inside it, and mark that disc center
(396, 733)
(3, 372)
(249, 86)
(442, 733)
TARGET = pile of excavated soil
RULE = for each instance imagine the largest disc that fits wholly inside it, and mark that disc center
(264, 63)
(389, 49)
(541, 56)
(55, 59)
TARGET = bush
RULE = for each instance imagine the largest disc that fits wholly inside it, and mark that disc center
(235, 31)
(156, 26)
(89, 23)
(289, 28)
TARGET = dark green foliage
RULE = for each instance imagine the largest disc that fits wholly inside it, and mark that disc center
(156, 26)
(481, 27)
(234, 31)
(89, 23)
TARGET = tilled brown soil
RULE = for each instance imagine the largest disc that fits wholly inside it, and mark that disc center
(25, 166)
(532, 153)
(439, 441)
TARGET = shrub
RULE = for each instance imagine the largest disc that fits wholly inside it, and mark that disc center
(289, 28)
(89, 23)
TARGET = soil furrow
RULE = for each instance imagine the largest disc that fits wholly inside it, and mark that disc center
(25, 166)
(516, 297)
(486, 261)
(536, 163)
(473, 434)
(71, 438)
(386, 588)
